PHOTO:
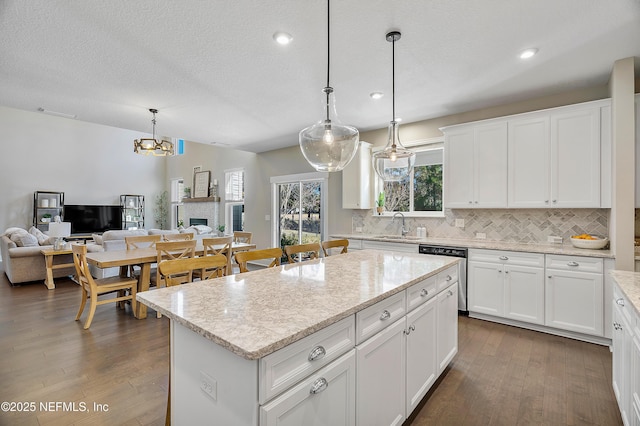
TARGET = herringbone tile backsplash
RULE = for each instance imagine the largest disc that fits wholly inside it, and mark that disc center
(510, 225)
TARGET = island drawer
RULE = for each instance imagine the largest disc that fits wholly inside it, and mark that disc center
(287, 366)
(574, 263)
(419, 293)
(376, 317)
(447, 277)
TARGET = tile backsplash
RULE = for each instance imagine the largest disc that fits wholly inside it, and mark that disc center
(510, 225)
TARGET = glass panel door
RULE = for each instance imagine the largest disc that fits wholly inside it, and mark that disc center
(299, 209)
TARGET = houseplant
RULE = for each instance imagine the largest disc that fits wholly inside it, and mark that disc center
(221, 230)
(380, 203)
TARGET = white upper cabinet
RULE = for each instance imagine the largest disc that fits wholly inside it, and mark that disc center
(357, 180)
(558, 157)
(476, 171)
(529, 161)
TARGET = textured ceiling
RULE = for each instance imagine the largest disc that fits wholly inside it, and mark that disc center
(215, 74)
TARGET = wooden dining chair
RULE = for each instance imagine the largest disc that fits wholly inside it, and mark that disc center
(92, 288)
(171, 250)
(328, 246)
(219, 245)
(178, 237)
(138, 242)
(242, 257)
(242, 237)
(181, 271)
(302, 252)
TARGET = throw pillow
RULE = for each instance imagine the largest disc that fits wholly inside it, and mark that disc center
(12, 230)
(42, 239)
(24, 240)
(97, 238)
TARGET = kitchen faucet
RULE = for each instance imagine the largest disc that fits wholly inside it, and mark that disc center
(403, 230)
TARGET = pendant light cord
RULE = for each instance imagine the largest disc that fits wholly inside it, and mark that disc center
(393, 79)
(328, 89)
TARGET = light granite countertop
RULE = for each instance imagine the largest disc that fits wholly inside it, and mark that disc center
(566, 249)
(629, 283)
(256, 313)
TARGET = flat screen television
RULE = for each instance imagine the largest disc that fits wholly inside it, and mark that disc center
(92, 219)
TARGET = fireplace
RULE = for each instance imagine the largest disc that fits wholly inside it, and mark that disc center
(198, 221)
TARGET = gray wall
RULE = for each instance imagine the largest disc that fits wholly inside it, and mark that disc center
(90, 163)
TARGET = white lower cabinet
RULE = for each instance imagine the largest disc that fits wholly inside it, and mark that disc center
(507, 284)
(574, 294)
(626, 355)
(381, 377)
(325, 398)
(422, 353)
(447, 327)
(398, 365)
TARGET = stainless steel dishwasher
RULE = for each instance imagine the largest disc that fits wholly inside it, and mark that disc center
(462, 280)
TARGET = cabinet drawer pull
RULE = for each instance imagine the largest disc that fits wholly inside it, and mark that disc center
(410, 329)
(549, 276)
(448, 278)
(449, 293)
(385, 315)
(424, 292)
(573, 264)
(620, 302)
(317, 353)
(503, 258)
(318, 386)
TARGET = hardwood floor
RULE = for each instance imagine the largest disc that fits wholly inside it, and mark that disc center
(501, 376)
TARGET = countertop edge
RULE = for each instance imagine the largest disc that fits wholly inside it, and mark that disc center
(561, 249)
(273, 347)
(629, 284)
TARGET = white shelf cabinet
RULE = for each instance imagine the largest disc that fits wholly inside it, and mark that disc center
(626, 354)
(476, 172)
(357, 180)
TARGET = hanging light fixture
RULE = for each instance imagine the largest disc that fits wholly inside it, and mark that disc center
(148, 146)
(329, 145)
(394, 162)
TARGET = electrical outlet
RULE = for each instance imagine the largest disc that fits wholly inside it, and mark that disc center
(267, 217)
(459, 223)
(358, 228)
(209, 385)
(481, 235)
(553, 239)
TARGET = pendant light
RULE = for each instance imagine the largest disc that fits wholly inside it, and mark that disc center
(394, 162)
(329, 145)
(148, 146)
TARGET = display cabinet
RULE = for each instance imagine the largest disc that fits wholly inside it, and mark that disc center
(46, 206)
(132, 207)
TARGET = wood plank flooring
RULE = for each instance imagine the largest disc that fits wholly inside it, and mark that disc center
(501, 376)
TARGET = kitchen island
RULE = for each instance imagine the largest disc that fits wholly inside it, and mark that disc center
(340, 340)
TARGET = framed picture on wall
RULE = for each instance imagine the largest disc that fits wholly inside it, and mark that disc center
(201, 184)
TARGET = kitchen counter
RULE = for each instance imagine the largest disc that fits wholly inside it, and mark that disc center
(256, 313)
(565, 249)
(629, 283)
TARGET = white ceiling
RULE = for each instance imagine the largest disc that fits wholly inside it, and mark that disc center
(215, 74)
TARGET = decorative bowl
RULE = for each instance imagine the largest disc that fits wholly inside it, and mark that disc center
(595, 244)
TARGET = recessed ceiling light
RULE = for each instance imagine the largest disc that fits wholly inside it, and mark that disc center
(398, 119)
(376, 95)
(528, 53)
(282, 38)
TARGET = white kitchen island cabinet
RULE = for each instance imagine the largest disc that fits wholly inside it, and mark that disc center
(282, 346)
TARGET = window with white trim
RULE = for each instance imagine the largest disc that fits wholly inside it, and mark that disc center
(421, 193)
(234, 199)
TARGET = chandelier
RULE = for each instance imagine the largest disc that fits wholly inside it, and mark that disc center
(146, 146)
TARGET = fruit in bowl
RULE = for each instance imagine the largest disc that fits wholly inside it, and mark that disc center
(589, 241)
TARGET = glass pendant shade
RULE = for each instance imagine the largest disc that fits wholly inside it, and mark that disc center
(329, 145)
(394, 162)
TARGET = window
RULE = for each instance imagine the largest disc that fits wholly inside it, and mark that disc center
(421, 193)
(234, 199)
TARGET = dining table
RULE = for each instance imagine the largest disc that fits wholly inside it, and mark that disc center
(145, 257)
